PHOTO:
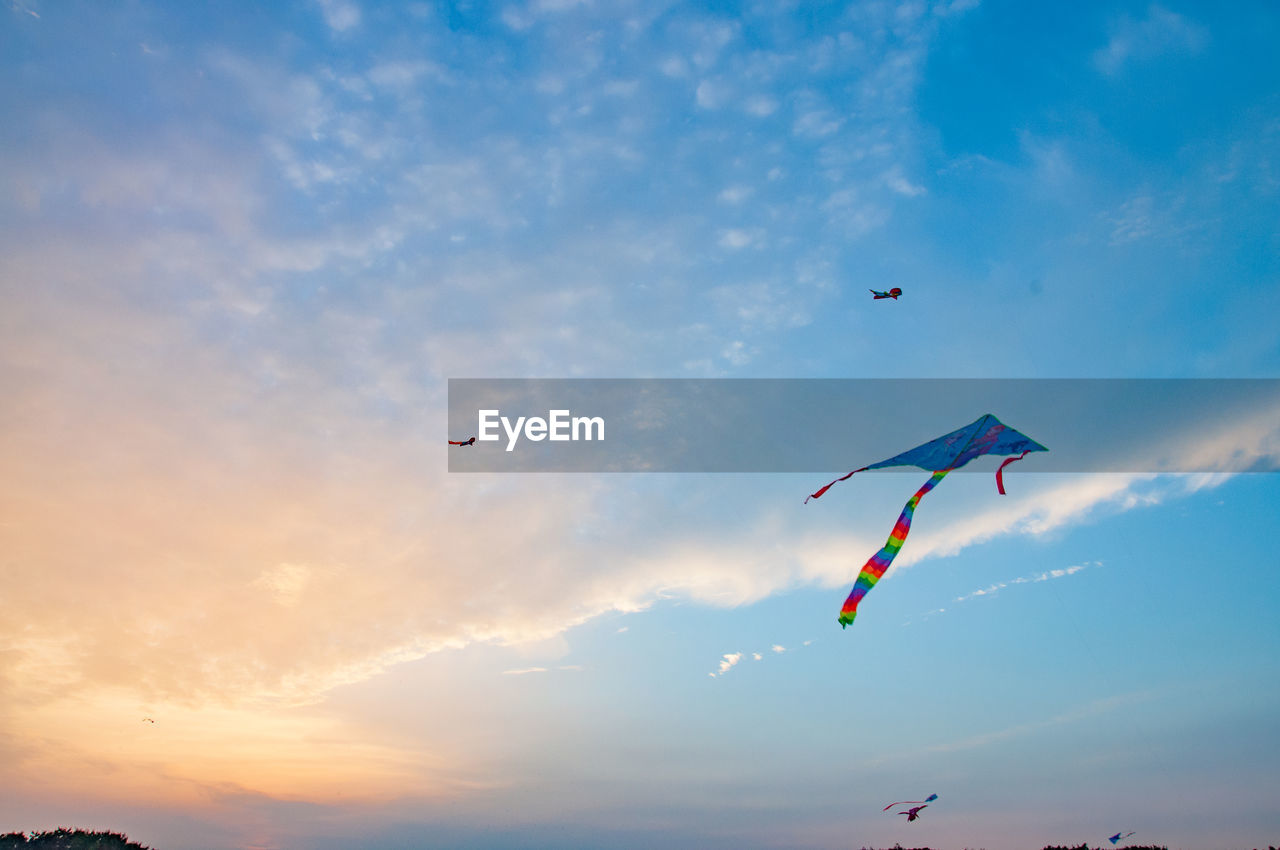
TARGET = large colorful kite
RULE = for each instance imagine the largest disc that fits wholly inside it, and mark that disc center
(987, 435)
(892, 293)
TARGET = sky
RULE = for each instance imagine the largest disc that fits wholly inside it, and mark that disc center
(244, 247)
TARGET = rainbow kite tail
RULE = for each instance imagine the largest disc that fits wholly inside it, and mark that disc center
(880, 561)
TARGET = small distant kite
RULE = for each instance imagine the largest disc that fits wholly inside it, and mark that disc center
(470, 442)
(987, 435)
(928, 799)
(147, 720)
(913, 812)
(892, 293)
(1113, 839)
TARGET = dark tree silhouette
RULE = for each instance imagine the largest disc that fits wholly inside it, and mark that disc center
(1123, 847)
(69, 839)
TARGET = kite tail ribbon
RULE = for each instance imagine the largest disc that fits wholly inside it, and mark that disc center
(880, 561)
(1000, 471)
(826, 487)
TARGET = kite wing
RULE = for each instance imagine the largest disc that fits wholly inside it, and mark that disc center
(985, 435)
(470, 442)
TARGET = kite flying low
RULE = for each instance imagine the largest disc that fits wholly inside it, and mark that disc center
(1113, 839)
(892, 293)
(928, 799)
(986, 435)
(470, 442)
(913, 812)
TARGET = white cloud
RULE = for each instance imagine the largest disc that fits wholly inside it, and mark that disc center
(760, 105)
(1160, 32)
(712, 94)
(737, 353)
(1089, 709)
(1133, 220)
(518, 18)
(340, 15)
(729, 659)
(285, 581)
(996, 587)
(900, 184)
(735, 194)
(401, 74)
(816, 124)
(944, 8)
(709, 41)
(673, 66)
(558, 5)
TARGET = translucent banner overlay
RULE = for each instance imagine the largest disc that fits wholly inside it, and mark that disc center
(834, 425)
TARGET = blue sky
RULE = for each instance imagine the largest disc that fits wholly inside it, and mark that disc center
(242, 249)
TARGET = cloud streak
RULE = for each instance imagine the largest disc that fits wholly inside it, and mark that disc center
(1160, 32)
(730, 660)
(995, 587)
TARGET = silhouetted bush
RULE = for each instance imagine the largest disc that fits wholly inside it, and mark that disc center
(68, 839)
(1121, 847)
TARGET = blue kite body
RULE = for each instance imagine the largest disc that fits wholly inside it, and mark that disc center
(985, 436)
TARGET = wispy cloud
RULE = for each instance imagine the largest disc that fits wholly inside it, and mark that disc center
(995, 587)
(731, 659)
(896, 181)
(522, 17)
(340, 15)
(1090, 709)
(728, 661)
(524, 671)
(734, 239)
(1160, 32)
